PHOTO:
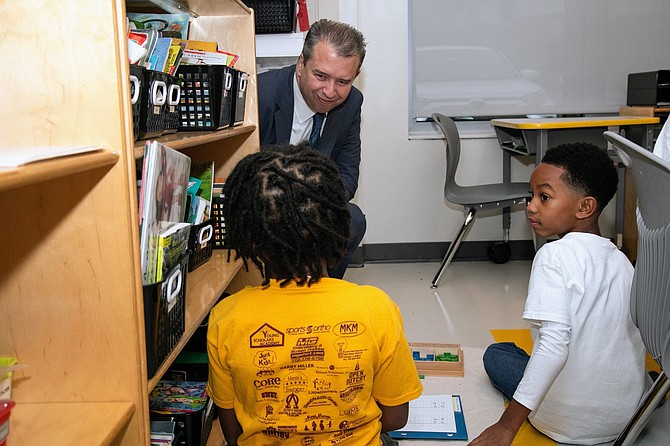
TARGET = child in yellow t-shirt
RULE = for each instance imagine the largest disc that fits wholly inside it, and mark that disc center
(303, 358)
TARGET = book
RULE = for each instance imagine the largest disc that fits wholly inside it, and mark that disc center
(159, 56)
(175, 53)
(165, 173)
(146, 39)
(162, 431)
(172, 397)
(202, 174)
(201, 45)
(172, 25)
(196, 57)
(438, 417)
(172, 245)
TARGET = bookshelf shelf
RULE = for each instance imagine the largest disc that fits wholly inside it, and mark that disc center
(65, 424)
(182, 140)
(55, 168)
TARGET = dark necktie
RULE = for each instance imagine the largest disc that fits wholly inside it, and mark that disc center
(317, 122)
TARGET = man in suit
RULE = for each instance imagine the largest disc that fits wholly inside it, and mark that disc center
(315, 100)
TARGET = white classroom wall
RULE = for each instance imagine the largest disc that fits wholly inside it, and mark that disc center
(402, 180)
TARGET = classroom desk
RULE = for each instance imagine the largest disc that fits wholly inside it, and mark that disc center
(533, 136)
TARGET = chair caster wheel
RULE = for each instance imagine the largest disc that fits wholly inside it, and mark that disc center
(500, 252)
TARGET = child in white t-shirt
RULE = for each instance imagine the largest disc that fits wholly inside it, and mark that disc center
(662, 145)
(586, 374)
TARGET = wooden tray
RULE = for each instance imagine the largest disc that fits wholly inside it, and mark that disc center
(432, 367)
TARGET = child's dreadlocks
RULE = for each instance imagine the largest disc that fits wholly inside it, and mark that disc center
(285, 209)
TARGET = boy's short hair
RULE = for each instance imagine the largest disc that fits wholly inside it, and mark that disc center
(285, 209)
(588, 170)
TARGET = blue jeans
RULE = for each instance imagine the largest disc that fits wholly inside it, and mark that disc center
(505, 363)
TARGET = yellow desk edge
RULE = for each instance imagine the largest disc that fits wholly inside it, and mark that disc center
(565, 123)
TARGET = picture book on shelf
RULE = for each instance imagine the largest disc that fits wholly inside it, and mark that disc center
(170, 25)
(197, 57)
(165, 173)
(159, 56)
(178, 396)
(202, 174)
(172, 245)
(145, 40)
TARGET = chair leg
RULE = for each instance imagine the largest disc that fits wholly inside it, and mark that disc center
(469, 217)
(644, 411)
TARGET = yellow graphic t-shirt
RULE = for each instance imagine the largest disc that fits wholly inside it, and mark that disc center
(307, 365)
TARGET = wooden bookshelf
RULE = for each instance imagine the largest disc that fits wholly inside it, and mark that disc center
(70, 283)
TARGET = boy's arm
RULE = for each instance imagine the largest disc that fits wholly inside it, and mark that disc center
(503, 432)
(394, 417)
(545, 364)
(229, 425)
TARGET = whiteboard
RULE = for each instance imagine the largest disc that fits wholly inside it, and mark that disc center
(490, 58)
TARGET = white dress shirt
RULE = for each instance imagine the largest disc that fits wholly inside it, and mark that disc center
(302, 117)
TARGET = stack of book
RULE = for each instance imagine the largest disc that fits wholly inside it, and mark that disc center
(164, 432)
(159, 42)
(165, 174)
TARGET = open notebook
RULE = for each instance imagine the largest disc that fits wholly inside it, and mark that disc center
(438, 417)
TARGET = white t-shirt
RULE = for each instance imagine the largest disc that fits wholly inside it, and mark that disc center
(662, 145)
(580, 288)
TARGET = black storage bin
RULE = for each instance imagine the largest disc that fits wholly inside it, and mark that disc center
(650, 88)
(273, 16)
(206, 97)
(136, 85)
(219, 223)
(240, 97)
(172, 112)
(153, 104)
(195, 426)
(200, 243)
(164, 314)
(189, 366)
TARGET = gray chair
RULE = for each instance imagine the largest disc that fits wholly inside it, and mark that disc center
(650, 294)
(473, 198)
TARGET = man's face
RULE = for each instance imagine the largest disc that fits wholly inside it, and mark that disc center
(326, 79)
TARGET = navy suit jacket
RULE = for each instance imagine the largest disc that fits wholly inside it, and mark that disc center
(340, 138)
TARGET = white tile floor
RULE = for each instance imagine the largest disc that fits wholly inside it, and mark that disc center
(472, 298)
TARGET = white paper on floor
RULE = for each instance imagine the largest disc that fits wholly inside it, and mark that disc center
(482, 404)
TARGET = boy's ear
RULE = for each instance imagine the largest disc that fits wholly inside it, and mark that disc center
(587, 208)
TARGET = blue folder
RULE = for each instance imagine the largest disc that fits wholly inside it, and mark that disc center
(461, 433)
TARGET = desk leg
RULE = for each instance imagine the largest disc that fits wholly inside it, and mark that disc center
(620, 192)
(507, 178)
(541, 147)
(648, 137)
(620, 199)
